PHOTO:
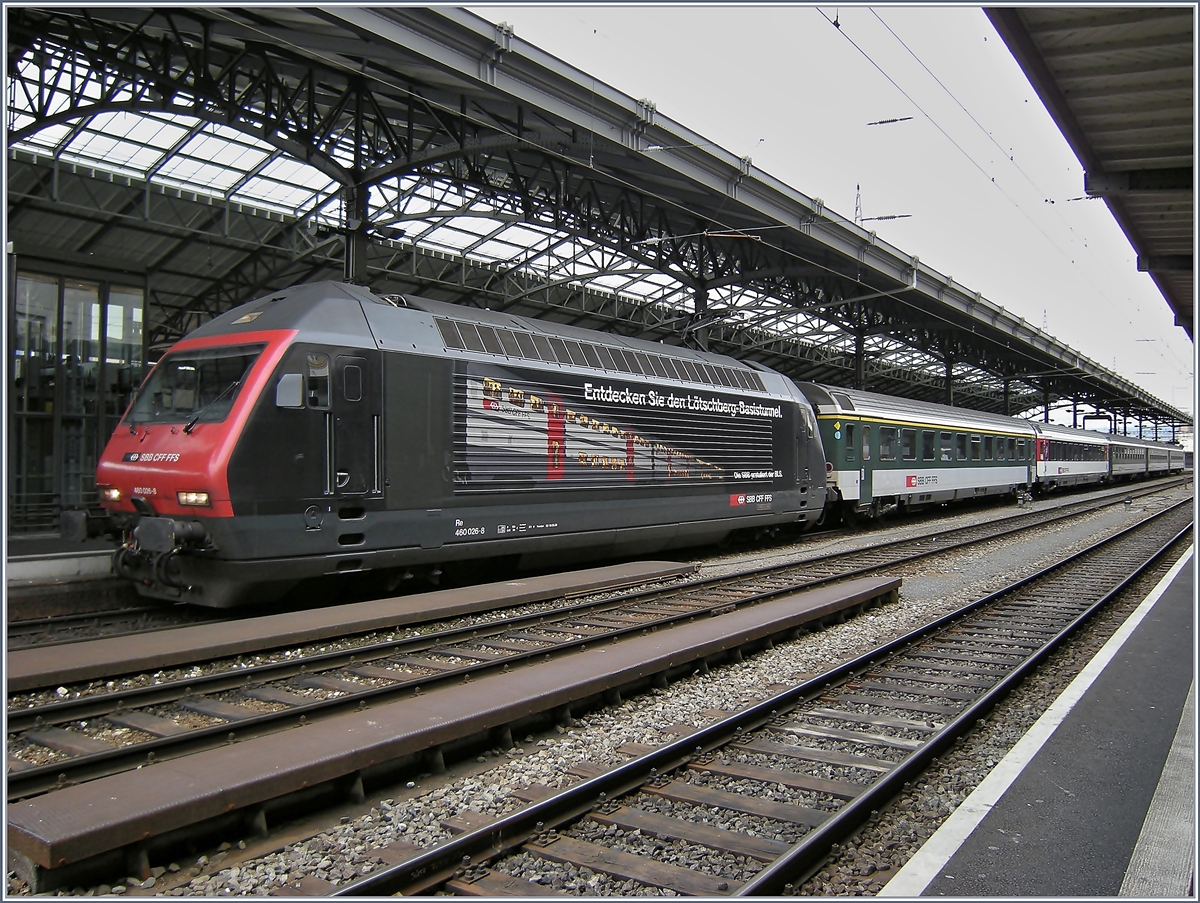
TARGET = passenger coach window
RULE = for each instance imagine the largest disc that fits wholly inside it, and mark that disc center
(928, 445)
(947, 446)
(987, 448)
(961, 446)
(1020, 449)
(866, 443)
(908, 444)
(887, 443)
(1000, 448)
(974, 448)
(851, 446)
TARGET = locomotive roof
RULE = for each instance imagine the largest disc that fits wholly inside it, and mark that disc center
(499, 319)
(835, 399)
(355, 316)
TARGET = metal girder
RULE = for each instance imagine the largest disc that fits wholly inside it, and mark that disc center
(1177, 180)
(428, 118)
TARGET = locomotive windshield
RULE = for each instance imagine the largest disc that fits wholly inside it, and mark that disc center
(196, 386)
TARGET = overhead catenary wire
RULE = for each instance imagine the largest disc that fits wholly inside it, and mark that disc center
(1011, 158)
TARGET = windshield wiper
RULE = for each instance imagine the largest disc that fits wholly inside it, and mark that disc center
(187, 427)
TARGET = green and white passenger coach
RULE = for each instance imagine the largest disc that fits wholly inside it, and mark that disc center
(882, 453)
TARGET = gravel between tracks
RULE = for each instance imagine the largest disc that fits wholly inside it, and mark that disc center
(342, 852)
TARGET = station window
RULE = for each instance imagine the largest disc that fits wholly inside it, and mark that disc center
(928, 445)
(947, 446)
(960, 446)
(908, 444)
(987, 448)
(887, 443)
(851, 446)
(975, 448)
(866, 446)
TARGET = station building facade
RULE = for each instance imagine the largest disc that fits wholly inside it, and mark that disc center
(76, 353)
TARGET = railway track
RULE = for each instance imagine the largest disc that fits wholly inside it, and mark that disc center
(806, 768)
(101, 732)
(27, 627)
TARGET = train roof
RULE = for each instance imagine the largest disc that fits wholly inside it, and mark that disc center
(837, 400)
(356, 316)
(1135, 442)
(1069, 434)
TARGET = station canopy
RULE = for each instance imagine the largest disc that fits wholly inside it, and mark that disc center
(219, 154)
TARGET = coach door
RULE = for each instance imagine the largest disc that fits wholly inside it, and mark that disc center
(356, 428)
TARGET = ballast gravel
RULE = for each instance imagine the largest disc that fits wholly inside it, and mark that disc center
(343, 852)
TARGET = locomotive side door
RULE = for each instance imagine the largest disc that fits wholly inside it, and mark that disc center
(355, 432)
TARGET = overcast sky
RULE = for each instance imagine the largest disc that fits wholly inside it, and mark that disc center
(786, 87)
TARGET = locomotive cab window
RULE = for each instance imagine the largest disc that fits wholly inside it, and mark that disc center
(194, 386)
(908, 444)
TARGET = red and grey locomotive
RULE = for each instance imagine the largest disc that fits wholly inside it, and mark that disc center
(326, 429)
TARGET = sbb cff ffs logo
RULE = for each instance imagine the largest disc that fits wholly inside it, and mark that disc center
(739, 499)
(913, 480)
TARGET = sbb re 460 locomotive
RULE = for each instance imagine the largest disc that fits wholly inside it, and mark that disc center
(326, 429)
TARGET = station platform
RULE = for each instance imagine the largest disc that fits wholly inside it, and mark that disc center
(48, 558)
(1098, 797)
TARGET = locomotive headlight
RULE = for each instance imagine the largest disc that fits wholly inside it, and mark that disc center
(194, 499)
(110, 494)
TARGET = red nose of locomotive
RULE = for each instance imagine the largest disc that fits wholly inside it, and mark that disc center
(168, 456)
